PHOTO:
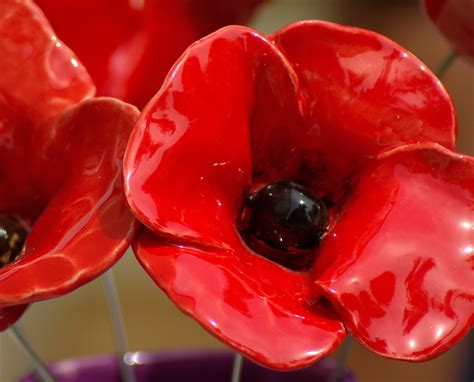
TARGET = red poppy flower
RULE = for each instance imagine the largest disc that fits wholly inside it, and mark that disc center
(129, 46)
(339, 115)
(60, 166)
(455, 19)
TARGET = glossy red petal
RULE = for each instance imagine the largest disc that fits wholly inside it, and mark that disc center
(10, 315)
(38, 71)
(455, 20)
(129, 46)
(189, 164)
(86, 226)
(399, 265)
(40, 78)
(364, 93)
(258, 307)
(95, 30)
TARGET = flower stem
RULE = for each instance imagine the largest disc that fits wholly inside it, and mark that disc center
(447, 62)
(40, 368)
(237, 367)
(342, 360)
(118, 326)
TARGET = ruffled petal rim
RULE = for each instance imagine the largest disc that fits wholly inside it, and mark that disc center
(189, 162)
(261, 309)
(398, 265)
(363, 94)
(86, 226)
(126, 44)
(40, 79)
(38, 71)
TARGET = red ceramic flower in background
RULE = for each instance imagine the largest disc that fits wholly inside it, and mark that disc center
(336, 118)
(455, 19)
(60, 166)
(129, 46)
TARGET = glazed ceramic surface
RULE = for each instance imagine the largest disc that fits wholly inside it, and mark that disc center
(366, 127)
(128, 46)
(184, 366)
(60, 164)
(455, 19)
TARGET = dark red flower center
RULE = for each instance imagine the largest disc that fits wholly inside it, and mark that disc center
(284, 221)
(12, 238)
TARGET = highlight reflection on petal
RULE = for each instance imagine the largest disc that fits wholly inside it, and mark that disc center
(414, 204)
(129, 46)
(256, 306)
(314, 103)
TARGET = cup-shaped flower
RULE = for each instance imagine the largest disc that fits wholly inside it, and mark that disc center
(455, 19)
(315, 123)
(128, 46)
(63, 216)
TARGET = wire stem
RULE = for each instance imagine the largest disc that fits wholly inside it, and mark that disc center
(118, 326)
(445, 65)
(342, 360)
(237, 367)
(40, 368)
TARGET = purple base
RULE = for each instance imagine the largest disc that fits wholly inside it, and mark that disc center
(180, 366)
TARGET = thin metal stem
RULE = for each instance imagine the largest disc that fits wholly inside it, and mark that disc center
(237, 367)
(40, 368)
(447, 62)
(118, 326)
(342, 360)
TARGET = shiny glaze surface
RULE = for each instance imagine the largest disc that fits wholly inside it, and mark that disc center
(286, 216)
(254, 305)
(454, 18)
(402, 277)
(128, 46)
(363, 93)
(284, 222)
(60, 162)
(240, 110)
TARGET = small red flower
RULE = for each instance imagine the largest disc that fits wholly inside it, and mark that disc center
(129, 46)
(455, 19)
(339, 115)
(60, 166)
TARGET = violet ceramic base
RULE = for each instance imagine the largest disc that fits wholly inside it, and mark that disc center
(183, 366)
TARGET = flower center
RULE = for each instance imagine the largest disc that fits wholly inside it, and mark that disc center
(12, 238)
(284, 221)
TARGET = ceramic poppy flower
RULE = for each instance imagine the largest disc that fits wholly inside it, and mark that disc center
(128, 46)
(454, 18)
(298, 184)
(63, 219)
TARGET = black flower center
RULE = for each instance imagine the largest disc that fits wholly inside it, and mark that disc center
(12, 238)
(284, 221)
